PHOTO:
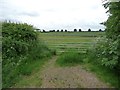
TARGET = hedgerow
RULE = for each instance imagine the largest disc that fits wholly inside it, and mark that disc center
(107, 50)
(20, 47)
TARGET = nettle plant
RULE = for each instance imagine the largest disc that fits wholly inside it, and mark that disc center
(108, 52)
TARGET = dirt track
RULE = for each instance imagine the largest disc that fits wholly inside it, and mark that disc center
(68, 77)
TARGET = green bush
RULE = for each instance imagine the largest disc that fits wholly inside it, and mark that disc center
(20, 48)
(106, 52)
(103, 59)
(17, 39)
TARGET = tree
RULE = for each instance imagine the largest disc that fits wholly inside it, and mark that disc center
(61, 30)
(89, 30)
(80, 30)
(100, 30)
(65, 30)
(108, 48)
(75, 30)
(113, 22)
(57, 30)
(113, 31)
(44, 31)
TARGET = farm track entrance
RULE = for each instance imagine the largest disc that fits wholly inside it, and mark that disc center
(68, 77)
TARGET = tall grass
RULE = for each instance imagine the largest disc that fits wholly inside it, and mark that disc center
(70, 58)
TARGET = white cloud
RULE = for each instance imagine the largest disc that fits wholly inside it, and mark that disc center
(55, 14)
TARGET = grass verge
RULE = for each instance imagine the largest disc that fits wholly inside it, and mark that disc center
(32, 80)
(104, 74)
(70, 58)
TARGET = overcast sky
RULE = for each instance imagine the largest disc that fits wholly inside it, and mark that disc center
(55, 14)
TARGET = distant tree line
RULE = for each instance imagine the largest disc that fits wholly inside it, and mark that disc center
(74, 30)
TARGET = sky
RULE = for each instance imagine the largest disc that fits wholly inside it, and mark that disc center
(55, 14)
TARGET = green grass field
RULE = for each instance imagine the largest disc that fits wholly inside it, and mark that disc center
(80, 42)
(62, 41)
(70, 43)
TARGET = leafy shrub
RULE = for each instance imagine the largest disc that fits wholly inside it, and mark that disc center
(107, 50)
(104, 57)
(17, 39)
(107, 53)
